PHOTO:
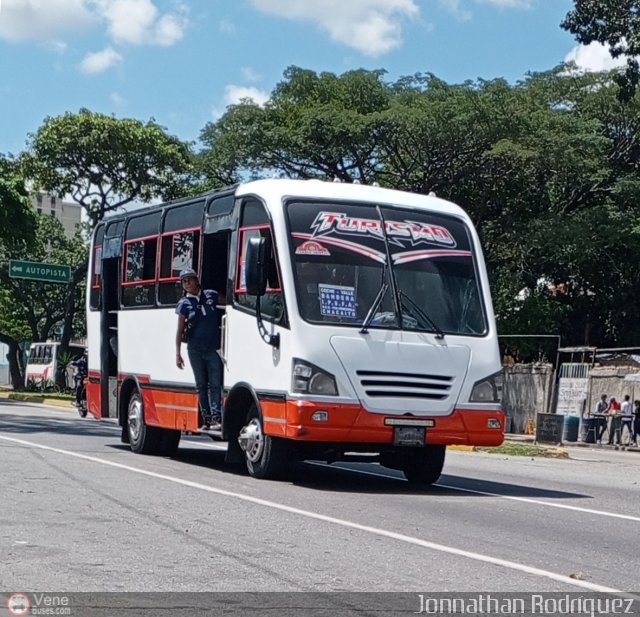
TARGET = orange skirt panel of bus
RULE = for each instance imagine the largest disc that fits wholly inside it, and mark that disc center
(93, 394)
(352, 423)
(177, 410)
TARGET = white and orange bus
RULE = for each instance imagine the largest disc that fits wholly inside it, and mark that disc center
(358, 325)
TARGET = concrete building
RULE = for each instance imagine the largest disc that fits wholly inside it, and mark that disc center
(69, 213)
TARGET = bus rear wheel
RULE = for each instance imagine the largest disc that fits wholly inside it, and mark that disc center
(265, 455)
(423, 466)
(143, 439)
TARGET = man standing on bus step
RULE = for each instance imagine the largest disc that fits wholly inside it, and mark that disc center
(199, 326)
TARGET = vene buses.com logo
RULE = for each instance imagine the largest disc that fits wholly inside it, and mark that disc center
(18, 603)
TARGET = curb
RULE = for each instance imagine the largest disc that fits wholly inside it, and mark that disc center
(463, 448)
(39, 400)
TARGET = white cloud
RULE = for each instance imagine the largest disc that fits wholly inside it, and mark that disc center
(594, 57)
(234, 94)
(509, 4)
(100, 61)
(372, 27)
(169, 30)
(460, 7)
(137, 22)
(43, 20)
(248, 74)
(455, 6)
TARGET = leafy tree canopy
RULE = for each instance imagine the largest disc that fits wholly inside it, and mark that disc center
(105, 163)
(615, 24)
(32, 310)
(17, 219)
(546, 168)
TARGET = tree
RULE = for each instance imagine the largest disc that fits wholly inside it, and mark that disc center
(17, 219)
(17, 233)
(546, 168)
(314, 126)
(31, 310)
(615, 24)
(105, 163)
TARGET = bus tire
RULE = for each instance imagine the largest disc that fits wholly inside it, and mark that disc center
(143, 439)
(265, 455)
(423, 466)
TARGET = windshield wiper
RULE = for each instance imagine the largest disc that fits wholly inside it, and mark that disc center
(374, 307)
(418, 311)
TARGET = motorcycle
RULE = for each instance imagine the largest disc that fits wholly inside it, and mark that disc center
(80, 377)
(81, 398)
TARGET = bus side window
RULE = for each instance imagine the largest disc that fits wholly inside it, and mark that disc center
(138, 284)
(95, 292)
(177, 251)
(271, 304)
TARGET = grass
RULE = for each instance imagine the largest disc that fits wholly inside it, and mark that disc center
(36, 397)
(525, 449)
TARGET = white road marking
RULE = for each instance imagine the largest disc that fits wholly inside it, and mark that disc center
(540, 502)
(512, 565)
(562, 506)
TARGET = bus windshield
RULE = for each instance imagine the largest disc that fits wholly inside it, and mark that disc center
(339, 257)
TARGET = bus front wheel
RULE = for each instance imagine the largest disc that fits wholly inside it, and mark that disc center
(265, 455)
(423, 466)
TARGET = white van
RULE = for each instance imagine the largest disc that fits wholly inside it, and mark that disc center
(42, 363)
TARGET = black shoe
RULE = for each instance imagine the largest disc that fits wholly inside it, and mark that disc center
(206, 423)
(215, 423)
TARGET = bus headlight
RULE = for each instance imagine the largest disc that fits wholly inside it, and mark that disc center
(488, 390)
(310, 379)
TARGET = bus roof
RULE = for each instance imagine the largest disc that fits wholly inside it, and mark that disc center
(279, 188)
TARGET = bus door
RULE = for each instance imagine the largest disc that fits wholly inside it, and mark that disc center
(214, 269)
(111, 258)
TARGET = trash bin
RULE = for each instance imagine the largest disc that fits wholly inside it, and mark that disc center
(570, 429)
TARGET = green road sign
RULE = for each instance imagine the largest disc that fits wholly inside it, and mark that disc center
(51, 273)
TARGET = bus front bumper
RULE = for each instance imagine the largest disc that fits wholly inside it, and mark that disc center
(301, 420)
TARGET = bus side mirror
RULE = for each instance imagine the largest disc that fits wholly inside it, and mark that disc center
(256, 263)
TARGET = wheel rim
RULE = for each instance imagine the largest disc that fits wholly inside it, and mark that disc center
(135, 418)
(251, 440)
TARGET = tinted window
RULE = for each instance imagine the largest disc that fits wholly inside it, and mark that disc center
(340, 266)
(178, 251)
(255, 223)
(138, 286)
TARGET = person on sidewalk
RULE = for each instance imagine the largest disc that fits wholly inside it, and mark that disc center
(199, 324)
(636, 422)
(614, 420)
(600, 418)
(626, 419)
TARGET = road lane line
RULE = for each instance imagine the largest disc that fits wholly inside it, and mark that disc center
(540, 502)
(562, 506)
(335, 521)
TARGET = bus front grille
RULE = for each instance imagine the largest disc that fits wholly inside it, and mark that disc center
(377, 384)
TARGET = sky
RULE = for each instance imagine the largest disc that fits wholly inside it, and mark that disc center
(182, 62)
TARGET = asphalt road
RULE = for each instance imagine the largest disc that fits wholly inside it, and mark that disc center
(80, 512)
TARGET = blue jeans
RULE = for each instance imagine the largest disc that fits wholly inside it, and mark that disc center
(207, 370)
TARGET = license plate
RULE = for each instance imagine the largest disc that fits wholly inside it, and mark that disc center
(409, 435)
